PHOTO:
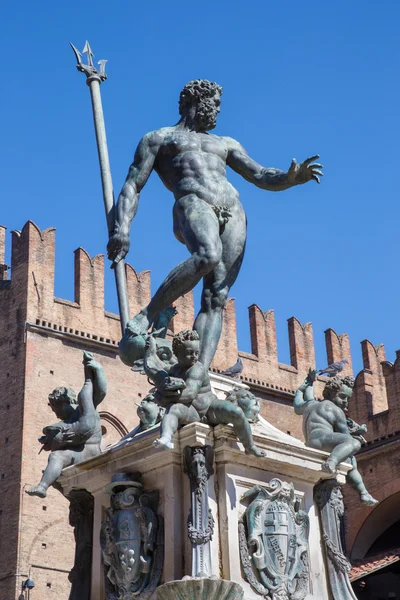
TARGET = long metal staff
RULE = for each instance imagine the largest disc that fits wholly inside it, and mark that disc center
(94, 78)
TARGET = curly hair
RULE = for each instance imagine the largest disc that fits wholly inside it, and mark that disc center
(334, 384)
(62, 394)
(245, 399)
(188, 335)
(198, 89)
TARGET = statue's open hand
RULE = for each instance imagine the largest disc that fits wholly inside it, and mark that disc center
(305, 171)
(311, 376)
(118, 246)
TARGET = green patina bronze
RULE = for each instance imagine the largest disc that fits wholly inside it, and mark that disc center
(326, 427)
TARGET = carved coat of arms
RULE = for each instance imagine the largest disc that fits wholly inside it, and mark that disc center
(273, 540)
(131, 541)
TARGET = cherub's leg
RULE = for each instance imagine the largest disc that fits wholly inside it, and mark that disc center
(56, 463)
(340, 445)
(355, 480)
(224, 412)
(176, 415)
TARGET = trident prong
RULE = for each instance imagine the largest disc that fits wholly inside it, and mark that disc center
(78, 55)
(90, 70)
(87, 50)
(102, 64)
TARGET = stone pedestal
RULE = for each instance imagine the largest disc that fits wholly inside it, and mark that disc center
(233, 474)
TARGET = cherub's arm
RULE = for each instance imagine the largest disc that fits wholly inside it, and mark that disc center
(194, 382)
(340, 421)
(95, 387)
(305, 393)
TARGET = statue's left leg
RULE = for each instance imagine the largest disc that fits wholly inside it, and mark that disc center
(356, 481)
(58, 460)
(216, 285)
(175, 416)
(225, 412)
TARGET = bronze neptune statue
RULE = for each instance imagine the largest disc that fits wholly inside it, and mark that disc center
(208, 216)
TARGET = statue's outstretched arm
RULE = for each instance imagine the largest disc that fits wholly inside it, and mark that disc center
(127, 204)
(274, 180)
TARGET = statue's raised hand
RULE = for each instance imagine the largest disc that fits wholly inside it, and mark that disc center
(311, 376)
(118, 246)
(305, 171)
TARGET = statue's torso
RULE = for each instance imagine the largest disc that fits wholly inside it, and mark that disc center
(319, 415)
(204, 396)
(192, 163)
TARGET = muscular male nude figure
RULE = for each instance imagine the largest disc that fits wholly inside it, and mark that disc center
(208, 216)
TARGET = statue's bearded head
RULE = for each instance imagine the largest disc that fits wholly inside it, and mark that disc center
(201, 98)
(63, 401)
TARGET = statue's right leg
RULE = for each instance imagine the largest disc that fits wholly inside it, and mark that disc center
(175, 416)
(356, 481)
(56, 463)
(196, 226)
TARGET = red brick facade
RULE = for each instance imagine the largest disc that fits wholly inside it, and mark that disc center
(41, 343)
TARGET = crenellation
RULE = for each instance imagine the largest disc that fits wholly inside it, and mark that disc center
(89, 282)
(263, 335)
(138, 285)
(227, 351)
(185, 313)
(301, 342)
(3, 266)
(338, 348)
(374, 379)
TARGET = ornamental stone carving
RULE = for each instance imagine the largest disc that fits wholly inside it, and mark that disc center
(329, 499)
(200, 524)
(273, 542)
(131, 540)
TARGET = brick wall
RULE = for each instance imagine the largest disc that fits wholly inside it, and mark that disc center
(41, 344)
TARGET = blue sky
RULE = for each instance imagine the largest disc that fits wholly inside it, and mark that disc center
(298, 79)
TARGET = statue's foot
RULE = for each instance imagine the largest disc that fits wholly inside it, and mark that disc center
(255, 451)
(329, 466)
(163, 442)
(368, 499)
(38, 490)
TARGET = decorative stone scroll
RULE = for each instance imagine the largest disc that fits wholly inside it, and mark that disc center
(329, 498)
(132, 540)
(198, 467)
(273, 542)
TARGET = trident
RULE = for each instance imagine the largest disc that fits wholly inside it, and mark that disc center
(93, 78)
